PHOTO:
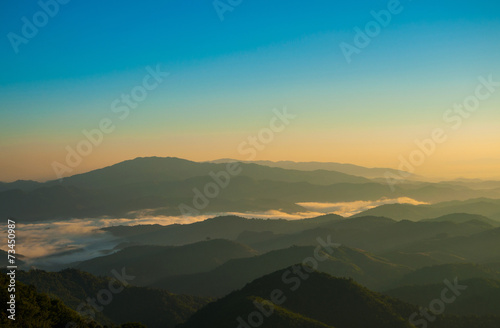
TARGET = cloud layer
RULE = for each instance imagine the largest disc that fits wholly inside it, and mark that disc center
(60, 242)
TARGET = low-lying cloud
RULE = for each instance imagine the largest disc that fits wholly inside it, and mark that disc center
(352, 208)
(52, 243)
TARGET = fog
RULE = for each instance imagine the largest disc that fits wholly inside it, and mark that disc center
(55, 244)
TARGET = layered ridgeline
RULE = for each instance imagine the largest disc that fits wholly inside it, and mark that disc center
(480, 207)
(152, 307)
(222, 227)
(299, 297)
(167, 260)
(480, 296)
(436, 273)
(412, 244)
(365, 268)
(202, 268)
(376, 252)
(366, 172)
(162, 184)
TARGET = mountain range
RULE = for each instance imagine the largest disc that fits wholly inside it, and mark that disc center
(161, 185)
(380, 267)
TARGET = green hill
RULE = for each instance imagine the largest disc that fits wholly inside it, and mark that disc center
(36, 310)
(436, 274)
(342, 261)
(152, 307)
(299, 297)
(481, 297)
(332, 301)
(481, 247)
(375, 234)
(222, 227)
(463, 217)
(489, 208)
(167, 260)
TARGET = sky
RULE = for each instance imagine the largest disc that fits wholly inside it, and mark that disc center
(66, 66)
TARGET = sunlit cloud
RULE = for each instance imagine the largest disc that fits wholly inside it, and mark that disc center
(80, 239)
(275, 214)
(85, 236)
(351, 208)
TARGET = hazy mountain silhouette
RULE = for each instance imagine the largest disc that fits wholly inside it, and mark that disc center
(464, 217)
(489, 208)
(481, 297)
(222, 227)
(24, 185)
(167, 260)
(343, 262)
(375, 234)
(162, 184)
(436, 274)
(158, 169)
(480, 247)
(369, 173)
(411, 244)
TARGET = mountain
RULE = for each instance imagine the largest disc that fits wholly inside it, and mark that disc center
(148, 183)
(400, 212)
(481, 247)
(481, 296)
(222, 227)
(475, 183)
(300, 297)
(157, 169)
(369, 173)
(314, 298)
(407, 243)
(173, 187)
(464, 217)
(365, 268)
(34, 309)
(489, 208)
(437, 273)
(24, 185)
(154, 308)
(168, 260)
(370, 233)
(374, 234)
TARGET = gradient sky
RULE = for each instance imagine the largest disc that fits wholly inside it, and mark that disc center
(227, 76)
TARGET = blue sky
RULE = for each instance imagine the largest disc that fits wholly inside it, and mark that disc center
(227, 75)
